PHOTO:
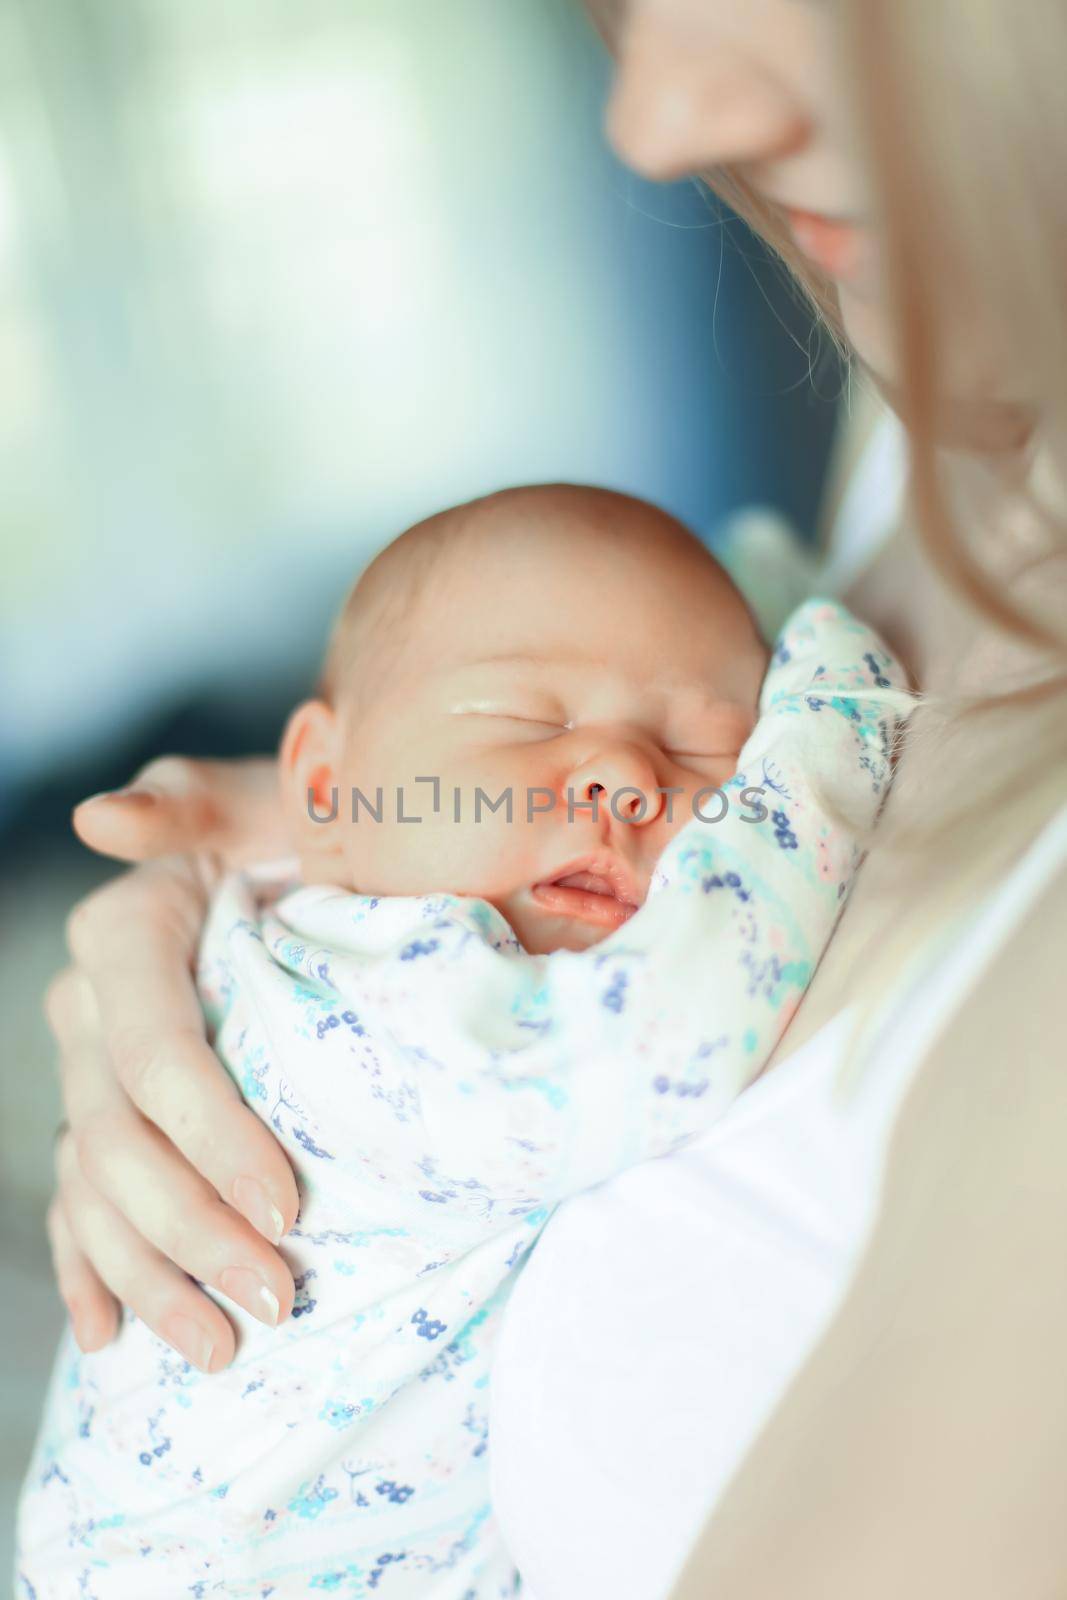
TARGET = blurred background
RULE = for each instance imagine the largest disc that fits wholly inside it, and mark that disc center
(275, 281)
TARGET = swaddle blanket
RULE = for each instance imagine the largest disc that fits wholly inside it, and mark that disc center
(439, 1091)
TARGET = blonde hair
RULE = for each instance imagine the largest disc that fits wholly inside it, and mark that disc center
(962, 107)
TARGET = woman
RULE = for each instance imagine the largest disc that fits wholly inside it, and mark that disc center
(866, 1395)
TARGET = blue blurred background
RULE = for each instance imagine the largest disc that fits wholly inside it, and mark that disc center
(275, 280)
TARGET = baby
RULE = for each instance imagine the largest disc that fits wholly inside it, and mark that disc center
(559, 893)
(539, 642)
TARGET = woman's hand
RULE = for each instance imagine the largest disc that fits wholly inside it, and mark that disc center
(163, 1175)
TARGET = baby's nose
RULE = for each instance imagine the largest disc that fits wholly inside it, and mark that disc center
(619, 776)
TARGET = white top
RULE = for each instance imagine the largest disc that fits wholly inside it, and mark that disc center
(663, 1315)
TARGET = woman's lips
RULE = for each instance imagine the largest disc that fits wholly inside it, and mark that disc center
(841, 249)
(592, 896)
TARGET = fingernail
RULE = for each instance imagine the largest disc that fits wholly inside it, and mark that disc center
(189, 1338)
(249, 1290)
(253, 1202)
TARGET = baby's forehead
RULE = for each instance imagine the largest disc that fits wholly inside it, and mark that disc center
(586, 538)
(565, 617)
(536, 578)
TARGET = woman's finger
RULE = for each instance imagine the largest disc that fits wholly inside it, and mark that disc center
(229, 809)
(93, 1312)
(129, 1164)
(134, 942)
(70, 1008)
(137, 1275)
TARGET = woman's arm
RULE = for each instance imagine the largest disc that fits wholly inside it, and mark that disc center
(923, 1449)
(164, 1175)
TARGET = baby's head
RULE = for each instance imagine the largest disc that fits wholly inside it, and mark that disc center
(536, 644)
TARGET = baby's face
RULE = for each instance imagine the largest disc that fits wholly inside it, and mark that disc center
(573, 646)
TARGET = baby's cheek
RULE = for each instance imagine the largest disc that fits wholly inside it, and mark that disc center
(504, 819)
(397, 852)
(501, 853)
(374, 854)
(704, 796)
(480, 850)
(464, 849)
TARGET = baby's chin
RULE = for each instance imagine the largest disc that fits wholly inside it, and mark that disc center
(543, 941)
(546, 934)
(542, 931)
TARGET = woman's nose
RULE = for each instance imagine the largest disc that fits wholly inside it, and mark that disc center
(621, 778)
(685, 101)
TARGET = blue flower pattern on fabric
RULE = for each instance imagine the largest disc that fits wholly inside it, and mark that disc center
(439, 1091)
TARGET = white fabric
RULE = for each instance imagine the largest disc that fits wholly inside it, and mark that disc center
(870, 508)
(438, 1091)
(665, 1313)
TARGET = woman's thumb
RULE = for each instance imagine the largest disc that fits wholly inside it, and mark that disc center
(176, 805)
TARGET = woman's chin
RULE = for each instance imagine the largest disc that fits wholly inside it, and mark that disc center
(867, 326)
(970, 419)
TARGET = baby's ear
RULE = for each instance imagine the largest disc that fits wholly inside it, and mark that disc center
(309, 767)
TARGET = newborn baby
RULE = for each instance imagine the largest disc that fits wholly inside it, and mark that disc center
(457, 1015)
(542, 642)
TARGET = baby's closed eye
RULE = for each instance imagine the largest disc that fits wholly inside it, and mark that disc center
(714, 735)
(702, 755)
(526, 721)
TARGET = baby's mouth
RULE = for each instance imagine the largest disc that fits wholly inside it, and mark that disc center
(602, 892)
